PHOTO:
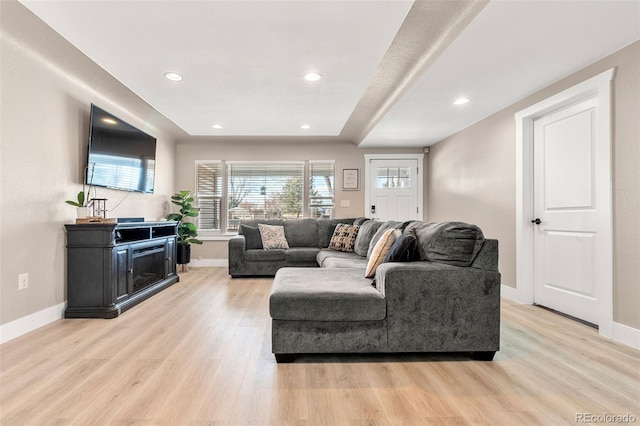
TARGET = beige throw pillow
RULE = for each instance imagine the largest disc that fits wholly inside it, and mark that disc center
(379, 252)
(272, 237)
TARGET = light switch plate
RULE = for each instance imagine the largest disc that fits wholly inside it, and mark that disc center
(345, 203)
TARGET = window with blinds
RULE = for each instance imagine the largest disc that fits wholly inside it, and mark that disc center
(209, 181)
(264, 191)
(229, 192)
(321, 194)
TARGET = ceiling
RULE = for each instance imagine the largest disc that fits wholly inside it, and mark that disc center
(390, 69)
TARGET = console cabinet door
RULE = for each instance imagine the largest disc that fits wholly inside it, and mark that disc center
(122, 278)
(170, 257)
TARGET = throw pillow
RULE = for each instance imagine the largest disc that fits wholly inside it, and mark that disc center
(344, 237)
(252, 238)
(390, 224)
(273, 237)
(404, 249)
(380, 250)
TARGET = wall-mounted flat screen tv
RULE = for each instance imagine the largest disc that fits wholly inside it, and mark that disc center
(120, 156)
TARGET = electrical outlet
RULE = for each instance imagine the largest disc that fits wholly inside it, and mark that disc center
(23, 281)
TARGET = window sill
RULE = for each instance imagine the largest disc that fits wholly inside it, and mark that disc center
(214, 237)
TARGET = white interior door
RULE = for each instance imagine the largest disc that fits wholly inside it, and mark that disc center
(569, 252)
(393, 189)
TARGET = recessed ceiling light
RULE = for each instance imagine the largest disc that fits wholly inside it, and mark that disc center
(216, 126)
(312, 76)
(461, 101)
(173, 76)
(305, 127)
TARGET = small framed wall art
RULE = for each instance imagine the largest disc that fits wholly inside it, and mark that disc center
(350, 179)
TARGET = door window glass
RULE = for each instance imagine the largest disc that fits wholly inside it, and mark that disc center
(393, 177)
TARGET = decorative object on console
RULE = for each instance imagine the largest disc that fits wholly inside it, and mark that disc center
(99, 207)
(79, 204)
(82, 199)
(187, 231)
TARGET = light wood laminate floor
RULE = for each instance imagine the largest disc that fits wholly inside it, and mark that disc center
(199, 353)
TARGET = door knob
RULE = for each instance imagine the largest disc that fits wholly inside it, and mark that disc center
(537, 221)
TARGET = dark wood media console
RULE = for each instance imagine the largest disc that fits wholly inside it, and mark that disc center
(112, 267)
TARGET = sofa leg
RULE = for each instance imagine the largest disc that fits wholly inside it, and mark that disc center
(483, 356)
(284, 358)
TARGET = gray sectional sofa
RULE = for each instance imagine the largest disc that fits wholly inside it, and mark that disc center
(306, 237)
(446, 300)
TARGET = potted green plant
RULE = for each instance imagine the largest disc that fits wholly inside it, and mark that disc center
(187, 231)
(82, 199)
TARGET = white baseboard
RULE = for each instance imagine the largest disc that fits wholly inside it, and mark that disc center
(624, 334)
(211, 263)
(23, 325)
(510, 293)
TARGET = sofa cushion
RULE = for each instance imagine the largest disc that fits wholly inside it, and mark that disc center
(273, 237)
(301, 232)
(344, 237)
(379, 252)
(358, 262)
(264, 255)
(366, 232)
(325, 254)
(452, 243)
(317, 294)
(360, 220)
(252, 239)
(404, 249)
(301, 254)
(390, 224)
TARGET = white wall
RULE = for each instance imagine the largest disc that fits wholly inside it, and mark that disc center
(47, 87)
(472, 177)
(346, 156)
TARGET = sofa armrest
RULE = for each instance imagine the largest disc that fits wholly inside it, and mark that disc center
(437, 307)
(237, 244)
(236, 254)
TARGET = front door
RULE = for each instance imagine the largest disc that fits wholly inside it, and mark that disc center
(393, 189)
(569, 247)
